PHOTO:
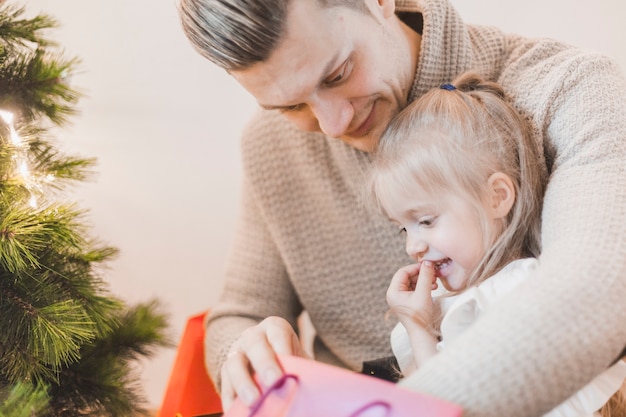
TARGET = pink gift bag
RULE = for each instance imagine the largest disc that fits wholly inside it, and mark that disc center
(314, 389)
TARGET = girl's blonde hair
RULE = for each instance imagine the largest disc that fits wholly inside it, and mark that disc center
(452, 139)
(616, 406)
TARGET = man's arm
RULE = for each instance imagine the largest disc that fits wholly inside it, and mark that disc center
(256, 287)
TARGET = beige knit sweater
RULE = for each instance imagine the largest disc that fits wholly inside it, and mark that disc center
(305, 240)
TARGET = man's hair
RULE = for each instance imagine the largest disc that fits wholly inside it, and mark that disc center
(236, 34)
(451, 140)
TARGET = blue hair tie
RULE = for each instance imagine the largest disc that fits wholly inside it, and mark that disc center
(447, 86)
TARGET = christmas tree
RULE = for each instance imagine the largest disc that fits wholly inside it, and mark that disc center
(68, 347)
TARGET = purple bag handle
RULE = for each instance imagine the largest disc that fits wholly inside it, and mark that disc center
(283, 379)
(276, 385)
(376, 403)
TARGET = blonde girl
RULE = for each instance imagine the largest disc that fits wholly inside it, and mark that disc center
(459, 172)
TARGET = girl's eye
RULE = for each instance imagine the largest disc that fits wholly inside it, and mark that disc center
(427, 221)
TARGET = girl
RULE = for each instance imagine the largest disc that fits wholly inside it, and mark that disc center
(459, 172)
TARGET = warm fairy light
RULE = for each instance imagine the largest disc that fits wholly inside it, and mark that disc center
(6, 116)
(8, 119)
(21, 163)
(23, 168)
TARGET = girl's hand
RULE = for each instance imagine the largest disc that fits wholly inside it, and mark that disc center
(409, 295)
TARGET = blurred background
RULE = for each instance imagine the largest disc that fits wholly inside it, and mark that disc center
(164, 125)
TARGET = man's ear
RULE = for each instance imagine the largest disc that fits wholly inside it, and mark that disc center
(502, 194)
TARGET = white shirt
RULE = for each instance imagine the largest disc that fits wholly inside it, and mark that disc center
(460, 311)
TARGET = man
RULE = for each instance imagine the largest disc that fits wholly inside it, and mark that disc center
(329, 75)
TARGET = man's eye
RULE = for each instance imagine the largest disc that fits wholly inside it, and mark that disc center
(290, 109)
(336, 79)
(339, 75)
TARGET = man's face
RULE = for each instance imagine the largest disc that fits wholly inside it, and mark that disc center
(337, 70)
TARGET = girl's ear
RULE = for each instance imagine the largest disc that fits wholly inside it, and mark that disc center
(502, 194)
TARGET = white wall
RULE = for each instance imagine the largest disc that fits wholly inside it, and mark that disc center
(597, 25)
(164, 125)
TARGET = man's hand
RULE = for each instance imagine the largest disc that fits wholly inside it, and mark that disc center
(255, 353)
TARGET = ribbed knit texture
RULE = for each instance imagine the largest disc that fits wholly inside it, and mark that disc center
(305, 241)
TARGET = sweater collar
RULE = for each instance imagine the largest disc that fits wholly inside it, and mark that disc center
(446, 48)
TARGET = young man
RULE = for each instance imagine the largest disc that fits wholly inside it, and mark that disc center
(329, 76)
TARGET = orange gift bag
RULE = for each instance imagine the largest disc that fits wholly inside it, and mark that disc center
(190, 391)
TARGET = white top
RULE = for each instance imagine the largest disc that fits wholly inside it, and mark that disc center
(462, 310)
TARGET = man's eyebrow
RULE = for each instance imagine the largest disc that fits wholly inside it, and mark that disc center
(330, 66)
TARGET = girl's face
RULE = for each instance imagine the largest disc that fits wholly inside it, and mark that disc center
(443, 228)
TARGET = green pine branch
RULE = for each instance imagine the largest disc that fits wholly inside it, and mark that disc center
(69, 348)
(104, 382)
(23, 400)
(15, 31)
(26, 232)
(34, 83)
(32, 71)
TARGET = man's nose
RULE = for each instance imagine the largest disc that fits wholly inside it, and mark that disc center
(333, 115)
